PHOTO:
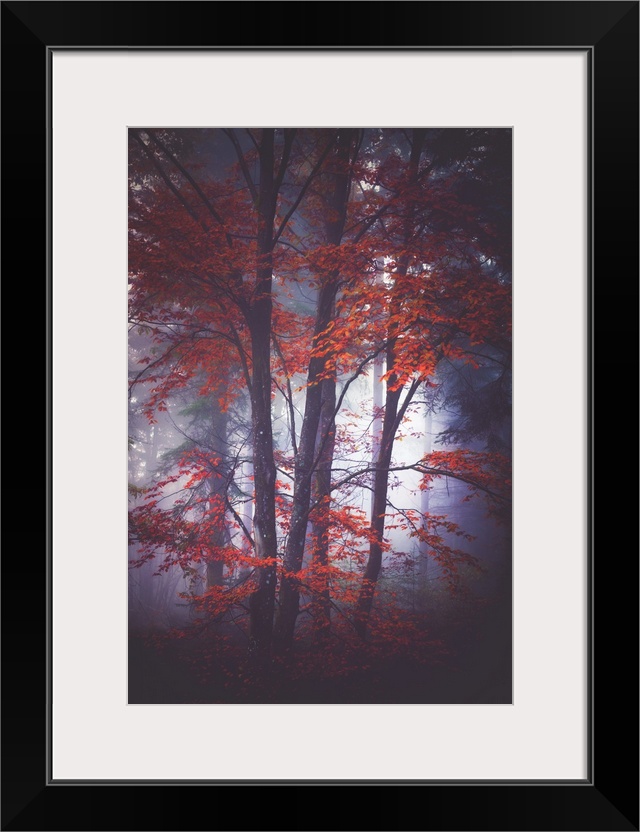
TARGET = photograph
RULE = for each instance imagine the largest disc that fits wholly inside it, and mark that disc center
(320, 415)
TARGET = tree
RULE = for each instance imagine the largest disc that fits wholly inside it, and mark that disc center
(314, 453)
(437, 282)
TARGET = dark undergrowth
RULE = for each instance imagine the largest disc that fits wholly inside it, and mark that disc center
(460, 660)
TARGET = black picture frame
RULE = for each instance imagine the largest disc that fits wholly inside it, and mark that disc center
(608, 798)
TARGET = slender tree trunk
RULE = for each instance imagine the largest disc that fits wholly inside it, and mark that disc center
(376, 427)
(392, 415)
(304, 463)
(148, 582)
(215, 568)
(321, 602)
(217, 492)
(262, 600)
(425, 497)
(289, 591)
(246, 513)
(379, 507)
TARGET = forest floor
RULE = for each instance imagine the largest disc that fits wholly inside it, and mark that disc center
(469, 662)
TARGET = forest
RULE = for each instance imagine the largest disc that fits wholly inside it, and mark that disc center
(320, 415)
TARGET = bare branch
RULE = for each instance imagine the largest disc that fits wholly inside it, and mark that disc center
(289, 136)
(167, 180)
(190, 180)
(239, 521)
(243, 164)
(304, 188)
(253, 141)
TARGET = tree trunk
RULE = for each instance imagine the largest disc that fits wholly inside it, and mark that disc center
(217, 492)
(425, 497)
(379, 506)
(391, 414)
(321, 601)
(262, 600)
(304, 462)
(376, 426)
(289, 591)
(246, 513)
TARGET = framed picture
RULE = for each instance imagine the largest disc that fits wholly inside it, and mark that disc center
(563, 78)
